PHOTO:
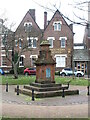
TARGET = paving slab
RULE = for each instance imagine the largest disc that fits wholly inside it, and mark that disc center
(14, 105)
(28, 111)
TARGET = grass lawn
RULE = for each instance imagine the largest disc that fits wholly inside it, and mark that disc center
(28, 79)
(20, 81)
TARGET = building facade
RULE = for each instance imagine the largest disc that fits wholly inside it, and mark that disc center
(86, 40)
(28, 37)
(5, 64)
(80, 57)
(60, 36)
(28, 33)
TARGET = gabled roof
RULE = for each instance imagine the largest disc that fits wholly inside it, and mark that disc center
(32, 19)
(57, 11)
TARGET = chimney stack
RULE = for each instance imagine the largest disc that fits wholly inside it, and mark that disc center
(45, 20)
(32, 13)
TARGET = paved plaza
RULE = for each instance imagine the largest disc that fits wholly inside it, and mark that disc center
(74, 106)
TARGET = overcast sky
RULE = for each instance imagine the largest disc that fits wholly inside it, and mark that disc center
(15, 10)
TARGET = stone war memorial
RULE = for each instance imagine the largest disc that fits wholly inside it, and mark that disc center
(45, 85)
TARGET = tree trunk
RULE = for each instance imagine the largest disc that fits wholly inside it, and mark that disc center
(15, 71)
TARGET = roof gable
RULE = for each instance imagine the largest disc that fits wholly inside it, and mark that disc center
(58, 15)
(28, 18)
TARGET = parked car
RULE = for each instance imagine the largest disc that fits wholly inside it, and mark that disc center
(30, 71)
(2, 72)
(69, 72)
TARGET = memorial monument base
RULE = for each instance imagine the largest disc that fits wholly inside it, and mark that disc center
(47, 90)
(45, 85)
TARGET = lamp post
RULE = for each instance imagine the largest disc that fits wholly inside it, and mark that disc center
(13, 38)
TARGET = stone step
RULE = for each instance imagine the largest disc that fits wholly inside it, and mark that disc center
(40, 89)
(47, 93)
(45, 85)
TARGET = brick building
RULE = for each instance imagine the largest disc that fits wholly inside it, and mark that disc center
(56, 31)
(86, 39)
(60, 36)
(5, 64)
(28, 32)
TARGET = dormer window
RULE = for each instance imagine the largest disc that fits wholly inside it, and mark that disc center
(57, 25)
(28, 26)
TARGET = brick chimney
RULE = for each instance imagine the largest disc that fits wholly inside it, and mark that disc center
(45, 20)
(32, 13)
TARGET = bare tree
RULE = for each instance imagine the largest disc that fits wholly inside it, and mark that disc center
(18, 44)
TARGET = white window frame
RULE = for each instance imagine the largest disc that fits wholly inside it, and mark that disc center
(61, 41)
(4, 55)
(20, 62)
(32, 38)
(60, 56)
(31, 56)
(57, 27)
(51, 38)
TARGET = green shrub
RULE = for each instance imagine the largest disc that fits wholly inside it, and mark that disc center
(57, 73)
(20, 70)
(11, 71)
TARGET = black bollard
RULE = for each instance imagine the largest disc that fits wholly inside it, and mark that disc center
(88, 90)
(68, 84)
(32, 94)
(17, 89)
(6, 87)
(63, 93)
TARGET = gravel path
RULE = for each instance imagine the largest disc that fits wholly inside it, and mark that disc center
(21, 106)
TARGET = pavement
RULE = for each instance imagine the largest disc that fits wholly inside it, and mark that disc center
(21, 106)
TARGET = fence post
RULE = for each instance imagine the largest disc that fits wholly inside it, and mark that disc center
(17, 89)
(7, 87)
(88, 90)
(32, 94)
(63, 93)
(68, 84)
